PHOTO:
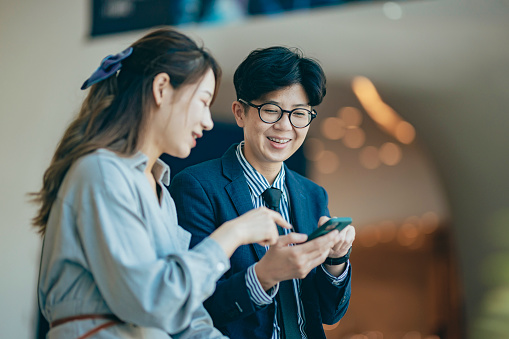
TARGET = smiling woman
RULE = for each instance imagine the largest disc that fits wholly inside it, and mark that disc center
(113, 254)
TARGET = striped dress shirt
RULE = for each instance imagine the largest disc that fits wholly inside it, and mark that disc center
(257, 185)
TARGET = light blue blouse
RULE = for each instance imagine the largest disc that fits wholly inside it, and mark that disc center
(112, 248)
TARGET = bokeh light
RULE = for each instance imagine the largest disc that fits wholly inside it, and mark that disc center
(392, 10)
(382, 114)
(407, 234)
(354, 138)
(405, 132)
(390, 154)
(351, 116)
(412, 335)
(369, 158)
(429, 222)
(333, 128)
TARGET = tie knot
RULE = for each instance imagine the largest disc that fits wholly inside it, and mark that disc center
(272, 197)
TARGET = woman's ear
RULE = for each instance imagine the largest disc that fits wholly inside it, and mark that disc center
(161, 87)
(238, 112)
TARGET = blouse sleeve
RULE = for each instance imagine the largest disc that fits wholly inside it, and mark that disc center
(139, 286)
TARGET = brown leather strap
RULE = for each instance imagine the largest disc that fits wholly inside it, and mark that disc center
(114, 320)
(85, 317)
(98, 328)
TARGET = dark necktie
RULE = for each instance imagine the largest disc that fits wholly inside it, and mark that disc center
(287, 310)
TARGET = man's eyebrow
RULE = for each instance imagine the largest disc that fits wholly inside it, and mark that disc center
(279, 104)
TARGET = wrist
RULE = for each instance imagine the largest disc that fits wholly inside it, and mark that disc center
(225, 236)
(338, 261)
(262, 277)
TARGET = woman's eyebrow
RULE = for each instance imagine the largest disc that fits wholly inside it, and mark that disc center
(206, 91)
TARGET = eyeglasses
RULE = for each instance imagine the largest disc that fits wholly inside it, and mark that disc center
(271, 113)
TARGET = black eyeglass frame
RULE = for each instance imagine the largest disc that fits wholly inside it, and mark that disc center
(259, 108)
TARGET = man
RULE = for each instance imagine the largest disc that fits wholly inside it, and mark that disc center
(283, 291)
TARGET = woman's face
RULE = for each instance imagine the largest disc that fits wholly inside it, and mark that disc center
(188, 115)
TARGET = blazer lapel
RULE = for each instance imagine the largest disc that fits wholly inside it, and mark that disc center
(300, 217)
(238, 189)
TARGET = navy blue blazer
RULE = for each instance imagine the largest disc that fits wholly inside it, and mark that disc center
(213, 192)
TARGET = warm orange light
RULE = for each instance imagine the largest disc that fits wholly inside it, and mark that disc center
(374, 335)
(418, 242)
(351, 116)
(405, 132)
(390, 154)
(333, 128)
(407, 234)
(409, 230)
(369, 157)
(412, 335)
(354, 138)
(385, 117)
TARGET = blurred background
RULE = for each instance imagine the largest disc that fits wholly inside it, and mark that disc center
(411, 140)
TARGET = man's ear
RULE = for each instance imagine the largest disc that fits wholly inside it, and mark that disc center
(160, 87)
(239, 113)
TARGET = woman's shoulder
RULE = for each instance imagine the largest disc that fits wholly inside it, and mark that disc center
(101, 168)
(100, 162)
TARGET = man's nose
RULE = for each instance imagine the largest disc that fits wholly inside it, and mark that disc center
(284, 122)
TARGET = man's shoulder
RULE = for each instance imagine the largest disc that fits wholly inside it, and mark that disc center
(210, 168)
(205, 170)
(307, 183)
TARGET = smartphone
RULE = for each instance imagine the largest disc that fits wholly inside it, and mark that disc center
(331, 225)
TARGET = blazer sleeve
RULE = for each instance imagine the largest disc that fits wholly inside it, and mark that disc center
(195, 210)
(333, 299)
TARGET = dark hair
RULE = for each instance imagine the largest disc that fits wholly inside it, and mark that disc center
(270, 69)
(114, 113)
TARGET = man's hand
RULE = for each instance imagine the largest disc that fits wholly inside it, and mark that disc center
(340, 248)
(346, 238)
(283, 261)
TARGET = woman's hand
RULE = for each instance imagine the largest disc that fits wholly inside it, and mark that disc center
(256, 226)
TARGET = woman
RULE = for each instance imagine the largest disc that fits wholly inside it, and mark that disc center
(115, 264)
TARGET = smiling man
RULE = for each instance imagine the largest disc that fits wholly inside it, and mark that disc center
(287, 290)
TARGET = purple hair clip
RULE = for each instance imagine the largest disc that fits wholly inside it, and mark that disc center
(109, 66)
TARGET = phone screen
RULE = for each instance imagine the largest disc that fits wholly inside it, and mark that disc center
(332, 224)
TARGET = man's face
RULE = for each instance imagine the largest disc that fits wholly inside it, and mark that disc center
(268, 145)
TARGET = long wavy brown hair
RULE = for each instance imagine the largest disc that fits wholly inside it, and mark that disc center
(114, 113)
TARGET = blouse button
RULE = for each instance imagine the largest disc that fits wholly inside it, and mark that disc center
(220, 266)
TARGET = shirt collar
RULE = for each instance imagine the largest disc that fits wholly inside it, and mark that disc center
(257, 182)
(161, 170)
